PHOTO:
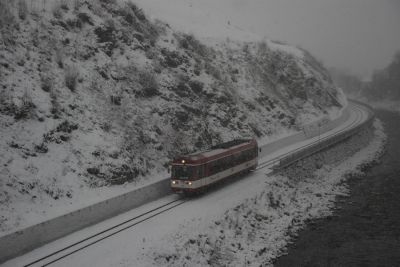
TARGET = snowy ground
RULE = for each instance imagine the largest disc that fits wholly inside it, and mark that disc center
(250, 220)
(38, 210)
(257, 230)
(137, 101)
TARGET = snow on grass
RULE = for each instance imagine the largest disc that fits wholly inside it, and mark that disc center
(258, 229)
(144, 92)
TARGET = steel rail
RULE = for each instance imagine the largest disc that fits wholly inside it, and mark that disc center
(353, 124)
(108, 230)
(159, 210)
(304, 147)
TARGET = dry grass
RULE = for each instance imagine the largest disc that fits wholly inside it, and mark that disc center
(71, 77)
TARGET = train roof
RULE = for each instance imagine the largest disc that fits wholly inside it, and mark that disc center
(215, 151)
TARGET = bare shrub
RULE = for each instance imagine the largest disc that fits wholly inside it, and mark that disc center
(134, 144)
(7, 23)
(22, 9)
(273, 201)
(27, 54)
(26, 108)
(77, 4)
(7, 105)
(59, 57)
(106, 35)
(106, 126)
(71, 77)
(132, 6)
(6, 15)
(197, 68)
(151, 53)
(57, 11)
(212, 70)
(55, 105)
(138, 11)
(116, 100)
(173, 59)
(111, 2)
(262, 48)
(196, 86)
(149, 84)
(129, 16)
(46, 82)
(140, 14)
(35, 37)
(84, 18)
(189, 42)
(64, 4)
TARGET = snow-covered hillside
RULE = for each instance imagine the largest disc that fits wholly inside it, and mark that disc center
(207, 19)
(95, 99)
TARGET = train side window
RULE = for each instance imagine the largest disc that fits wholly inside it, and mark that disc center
(207, 169)
(212, 168)
(199, 171)
(195, 172)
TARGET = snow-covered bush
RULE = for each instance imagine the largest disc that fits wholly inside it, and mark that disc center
(71, 77)
(6, 15)
(146, 93)
(59, 58)
(46, 82)
(26, 107)
(55, 105)
(22, 9)
(7, 106)
(149, 84)
(64, 4)
(189, 42)
(57, 11)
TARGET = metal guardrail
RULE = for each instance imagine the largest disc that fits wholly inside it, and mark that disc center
(325, 142)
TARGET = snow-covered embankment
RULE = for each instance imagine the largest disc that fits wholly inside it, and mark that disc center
(258, 230)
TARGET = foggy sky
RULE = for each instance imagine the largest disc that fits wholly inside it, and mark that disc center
(354, 35)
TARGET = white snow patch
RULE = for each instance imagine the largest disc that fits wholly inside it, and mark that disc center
(257, 229)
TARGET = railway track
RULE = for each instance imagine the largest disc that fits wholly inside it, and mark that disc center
(86, 242)
(104, 234)
(274, 161)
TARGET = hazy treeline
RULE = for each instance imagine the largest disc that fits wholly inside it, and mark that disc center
(384, 83)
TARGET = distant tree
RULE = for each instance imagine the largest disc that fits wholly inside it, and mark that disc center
(351, 84)
(385, 83)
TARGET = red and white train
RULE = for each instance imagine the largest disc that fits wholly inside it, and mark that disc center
(195, 172)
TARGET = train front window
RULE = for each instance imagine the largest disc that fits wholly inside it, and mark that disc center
(182, 172)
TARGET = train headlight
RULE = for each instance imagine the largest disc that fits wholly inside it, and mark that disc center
(189, 183)
(173, 182)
